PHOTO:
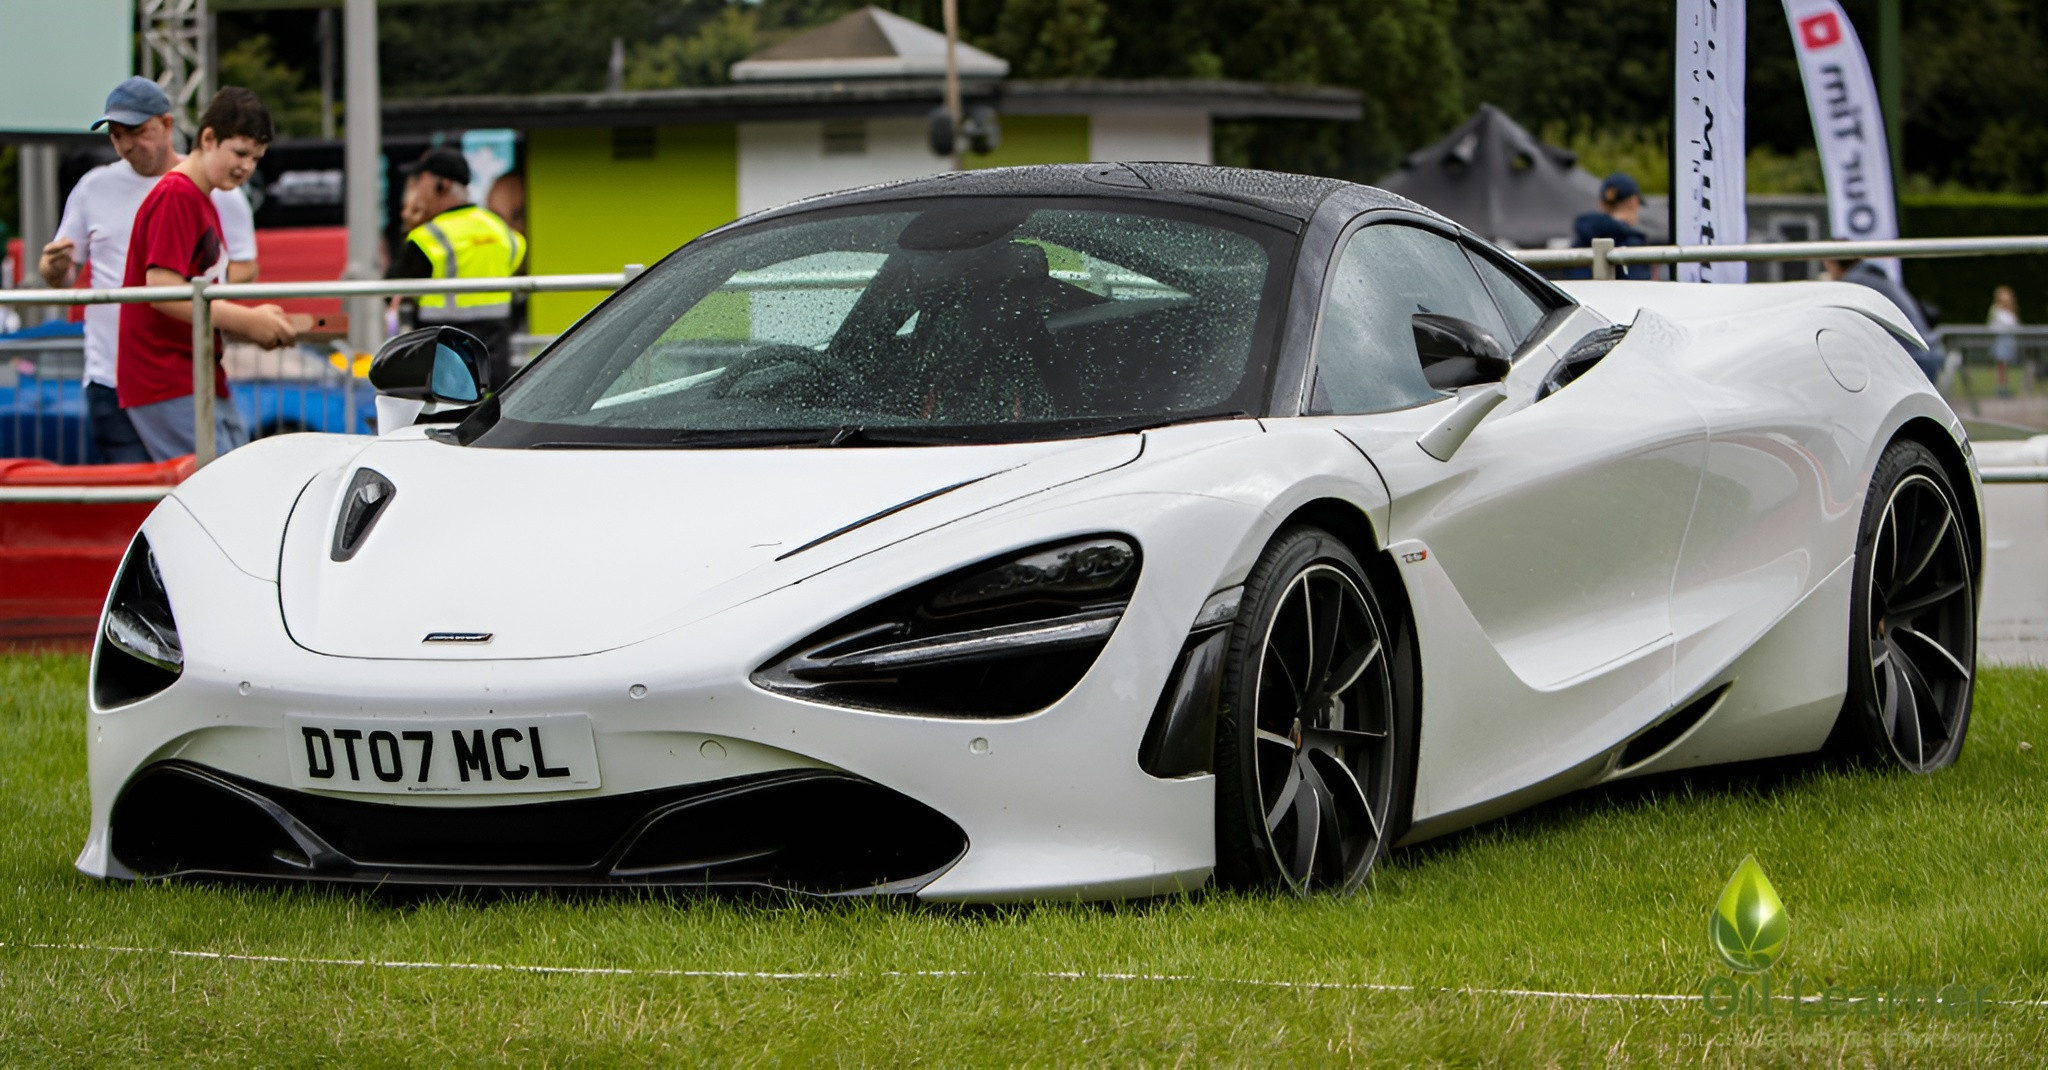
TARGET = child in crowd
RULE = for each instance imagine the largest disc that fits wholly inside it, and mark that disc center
(177, 238)
(2005, 344)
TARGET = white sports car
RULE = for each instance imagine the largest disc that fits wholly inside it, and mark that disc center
(1066, 531)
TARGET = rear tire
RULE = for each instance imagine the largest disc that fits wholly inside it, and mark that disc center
(1912, 620)
(1315, 744)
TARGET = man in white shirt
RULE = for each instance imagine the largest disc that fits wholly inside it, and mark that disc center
(97, 220)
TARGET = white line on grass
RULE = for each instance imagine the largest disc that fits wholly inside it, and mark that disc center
(851, 975)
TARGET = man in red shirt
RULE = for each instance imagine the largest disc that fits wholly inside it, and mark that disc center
(177, 238)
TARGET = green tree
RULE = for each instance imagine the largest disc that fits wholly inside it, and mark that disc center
(1399, 53)
(510, 46)
(294, 106)
(703, 58)
(1597, 70)
(1976, 76)
(1053, 38)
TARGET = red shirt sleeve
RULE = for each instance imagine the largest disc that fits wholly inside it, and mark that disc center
(183, 238)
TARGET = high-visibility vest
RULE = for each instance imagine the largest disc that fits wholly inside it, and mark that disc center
(468, 242)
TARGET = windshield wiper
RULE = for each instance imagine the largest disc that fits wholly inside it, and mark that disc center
(744, 438)
(863, 435)
(822, 437)
(602, 444)
(1148, 423)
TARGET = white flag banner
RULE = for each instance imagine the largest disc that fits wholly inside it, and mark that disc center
(1708, 184)
(1848, 125)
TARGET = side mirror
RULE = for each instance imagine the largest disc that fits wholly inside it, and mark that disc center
(1457, 352)
(437, 365)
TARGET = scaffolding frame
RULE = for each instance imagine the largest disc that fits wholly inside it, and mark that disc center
(180, 53)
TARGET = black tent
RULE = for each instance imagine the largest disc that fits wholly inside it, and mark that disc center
(1495, 177)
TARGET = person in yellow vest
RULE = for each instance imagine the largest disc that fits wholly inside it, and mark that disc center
(456, 239)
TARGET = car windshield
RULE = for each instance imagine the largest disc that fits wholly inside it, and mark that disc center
(949, 320)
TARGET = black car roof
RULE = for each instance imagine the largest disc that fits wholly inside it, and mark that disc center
(1295, 196)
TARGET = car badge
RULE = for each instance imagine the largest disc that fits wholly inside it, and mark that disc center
(457, 637)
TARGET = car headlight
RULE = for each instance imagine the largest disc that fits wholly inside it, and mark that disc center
(139, 650)
(1001, 638)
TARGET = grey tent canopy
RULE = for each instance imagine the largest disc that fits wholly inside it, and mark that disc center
(1495, 177)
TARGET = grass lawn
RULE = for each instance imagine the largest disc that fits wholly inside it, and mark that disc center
(1887, 880)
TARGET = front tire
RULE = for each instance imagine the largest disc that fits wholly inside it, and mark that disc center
(1912, 620)
(1315, 743)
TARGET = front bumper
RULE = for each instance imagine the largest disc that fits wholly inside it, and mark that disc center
(1049, 805)
(811, 831)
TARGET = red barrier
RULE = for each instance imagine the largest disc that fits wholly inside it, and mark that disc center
(57, 559)
(303, 254)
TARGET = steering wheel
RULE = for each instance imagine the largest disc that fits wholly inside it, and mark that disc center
(770, 355)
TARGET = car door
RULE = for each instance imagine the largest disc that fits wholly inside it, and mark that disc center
(1542, 552)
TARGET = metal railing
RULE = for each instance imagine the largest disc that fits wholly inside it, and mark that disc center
(1605, 256)
(1602, 259)
(202, 294)
(42, 380)
(1998, 375)
(46, 411)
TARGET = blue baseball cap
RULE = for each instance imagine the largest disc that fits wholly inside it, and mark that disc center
(1619, 187)
(134, 102)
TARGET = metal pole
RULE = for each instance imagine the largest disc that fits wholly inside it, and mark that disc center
(209, 54)
(202, 375)
(38, 208)
(348, 394)
(1890, 96)
(177, 52)
(364, 163)
(952, 12)
(1603, 268)
(327, 74)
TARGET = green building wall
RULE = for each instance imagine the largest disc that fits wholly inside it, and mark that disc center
(588, 211)
(1029, 139)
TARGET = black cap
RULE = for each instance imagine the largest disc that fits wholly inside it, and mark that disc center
(442, 162)
(1619, 187)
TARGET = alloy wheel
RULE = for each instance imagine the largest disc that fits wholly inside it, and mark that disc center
(1323, 727)
(1922, 623)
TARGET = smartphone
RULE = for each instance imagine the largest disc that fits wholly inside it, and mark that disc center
(306, 323)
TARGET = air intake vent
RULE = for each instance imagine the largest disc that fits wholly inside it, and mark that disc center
(1667, 731)
(369, 494)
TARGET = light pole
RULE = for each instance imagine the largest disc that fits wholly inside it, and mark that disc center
(363, 161)
(1890, 94)
(952, 10)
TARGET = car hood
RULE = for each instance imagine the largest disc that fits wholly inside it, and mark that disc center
(560, 553)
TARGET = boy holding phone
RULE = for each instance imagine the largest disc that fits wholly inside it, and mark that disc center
(176, 238)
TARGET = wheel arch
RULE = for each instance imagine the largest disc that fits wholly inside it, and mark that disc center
(1936, 438)
(1352, 526)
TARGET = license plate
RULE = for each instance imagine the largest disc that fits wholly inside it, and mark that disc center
(452, 756)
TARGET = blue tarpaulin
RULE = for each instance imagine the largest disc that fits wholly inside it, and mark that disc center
(46, 331)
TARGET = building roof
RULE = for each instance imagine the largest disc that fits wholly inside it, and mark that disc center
(869, 43)
(867, 98)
